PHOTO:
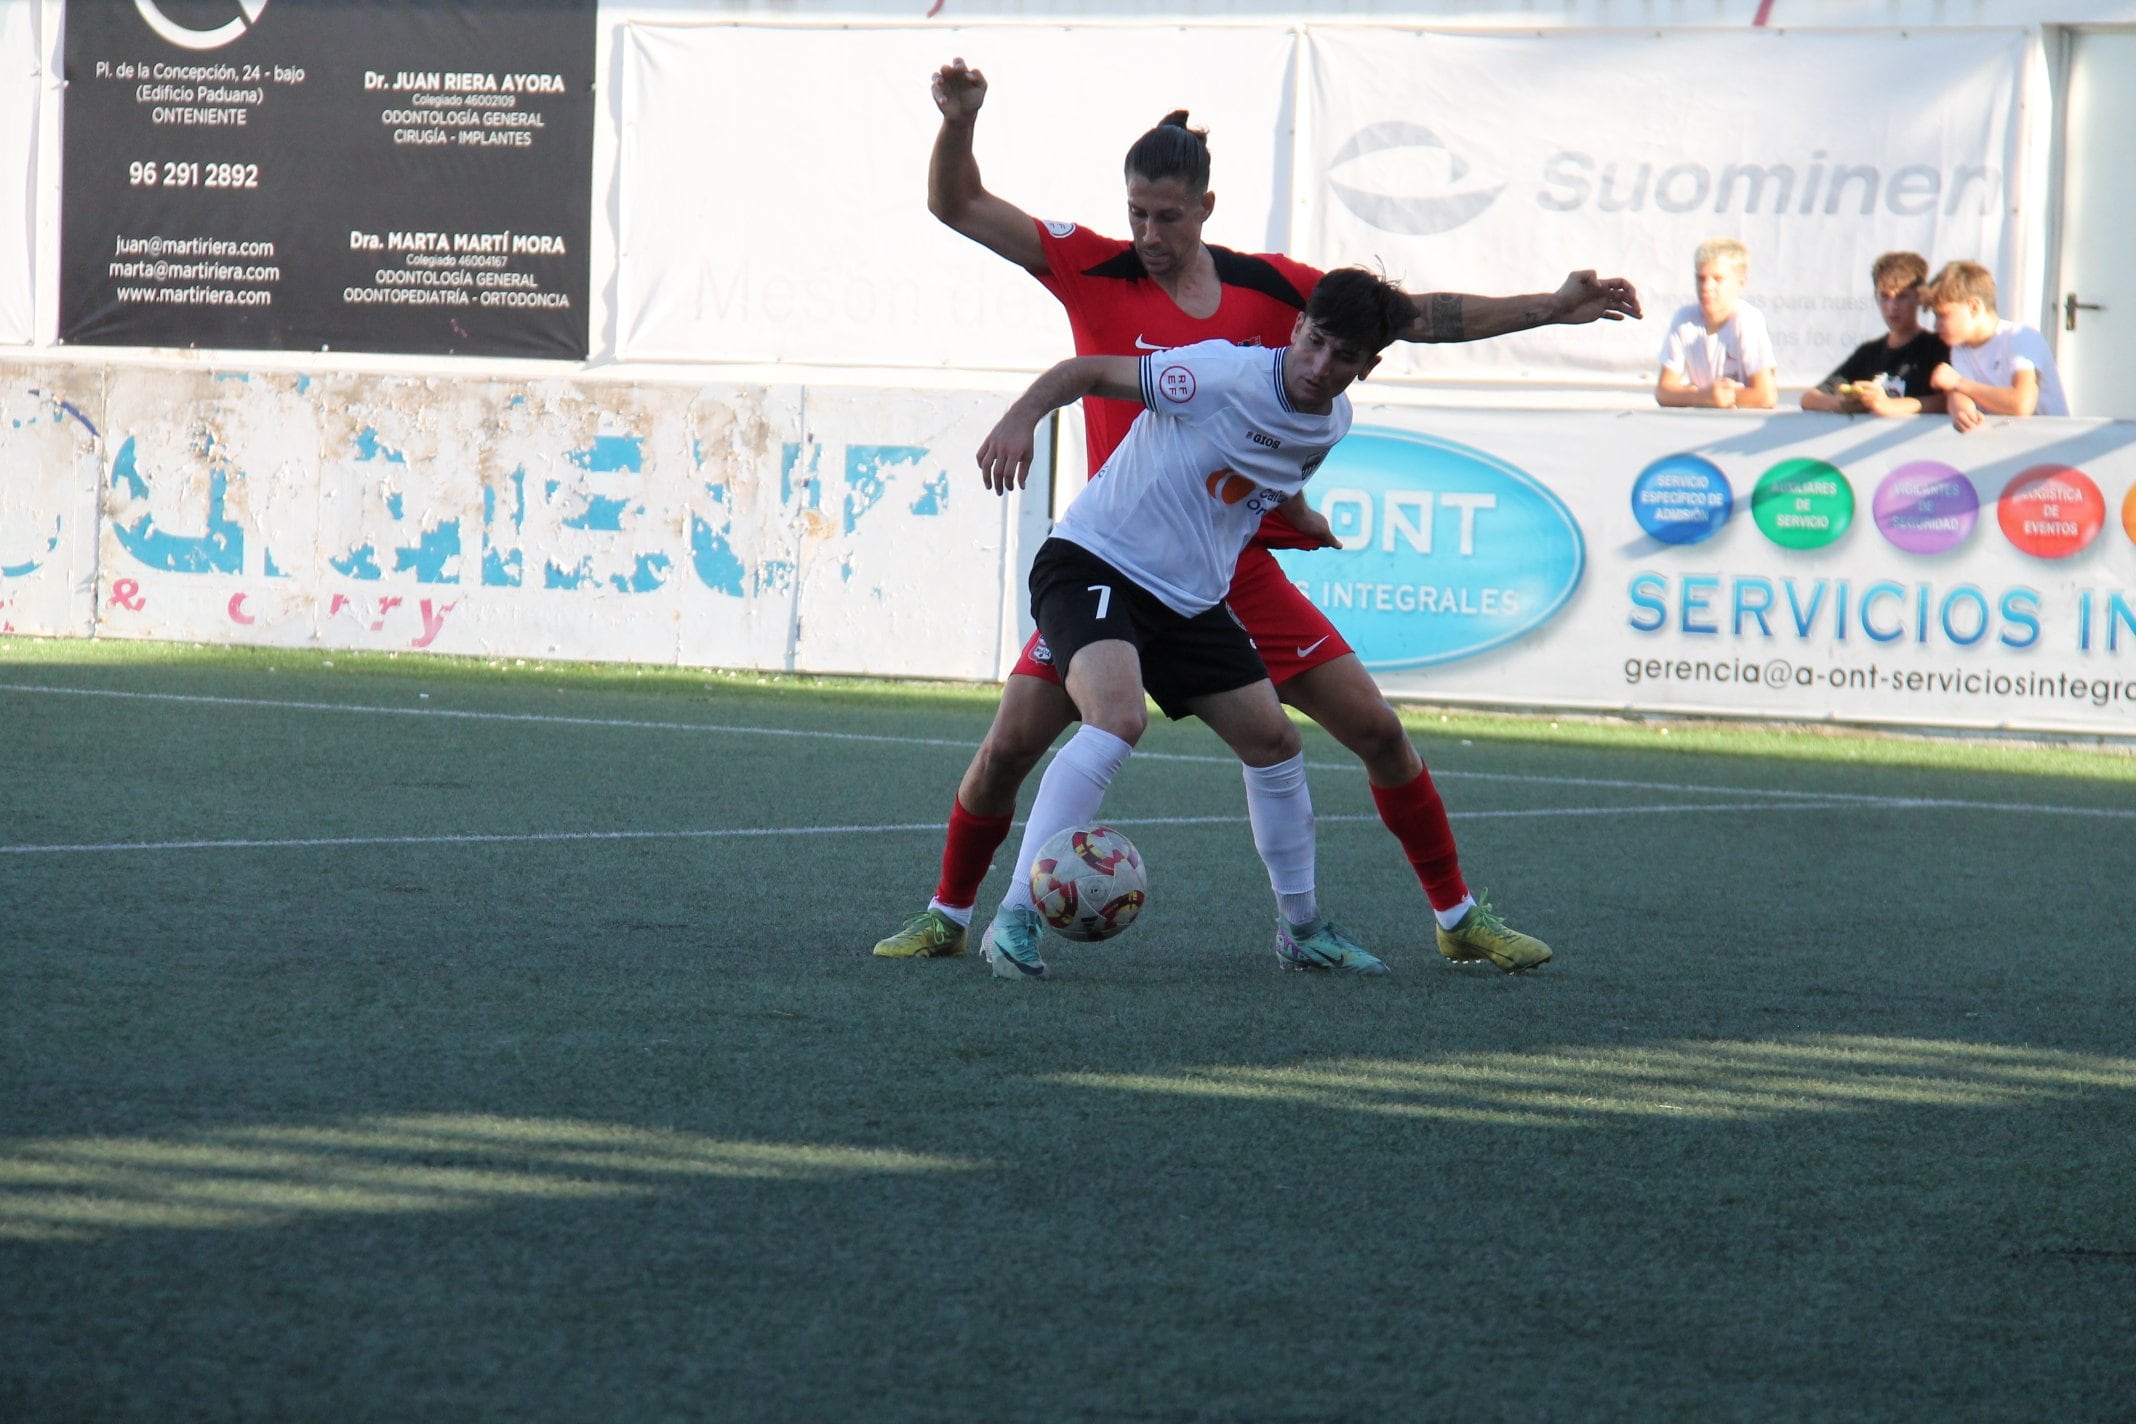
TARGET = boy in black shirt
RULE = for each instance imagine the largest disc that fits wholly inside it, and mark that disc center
(1889, 375)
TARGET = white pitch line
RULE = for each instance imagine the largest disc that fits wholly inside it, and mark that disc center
(626, 724)
(760, 832)
(557, 719)
(447, 712)
(309, 842)
(1808, 799)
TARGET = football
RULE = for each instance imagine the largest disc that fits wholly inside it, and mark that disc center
(1088, 882)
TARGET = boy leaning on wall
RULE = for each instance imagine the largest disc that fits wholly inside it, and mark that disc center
(1889, 374)
(1997, 367)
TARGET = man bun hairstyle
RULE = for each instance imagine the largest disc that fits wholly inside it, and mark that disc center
(1172, 150)
(1359, 308)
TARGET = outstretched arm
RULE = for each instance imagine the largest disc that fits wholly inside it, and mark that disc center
(954, 192)
(1460, 316)
(1005, 455)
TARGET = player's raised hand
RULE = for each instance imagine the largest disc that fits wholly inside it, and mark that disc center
(1006, 453)
(959, 90)
(1584, 297)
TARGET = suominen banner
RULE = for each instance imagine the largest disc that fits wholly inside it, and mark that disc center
(1485, 163)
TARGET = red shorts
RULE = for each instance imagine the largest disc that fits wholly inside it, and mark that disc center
(1291, 635)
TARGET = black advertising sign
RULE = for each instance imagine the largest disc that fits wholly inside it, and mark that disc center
(352, 175)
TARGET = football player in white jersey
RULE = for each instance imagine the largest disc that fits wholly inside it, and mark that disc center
(1129, 589)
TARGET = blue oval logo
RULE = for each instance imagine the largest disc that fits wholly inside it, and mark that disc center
(1447, 551)
(1682, 499)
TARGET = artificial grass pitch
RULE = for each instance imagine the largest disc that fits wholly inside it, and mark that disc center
(423, 1038)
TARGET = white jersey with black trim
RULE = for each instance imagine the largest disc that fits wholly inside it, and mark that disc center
(1219, 445)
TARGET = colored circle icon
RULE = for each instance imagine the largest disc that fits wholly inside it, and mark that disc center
(1925, 507)
(1682, 499)
(2051, 511)
(1803, 504)
(2128, 514)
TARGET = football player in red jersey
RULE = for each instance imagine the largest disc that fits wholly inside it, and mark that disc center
(1162, 287)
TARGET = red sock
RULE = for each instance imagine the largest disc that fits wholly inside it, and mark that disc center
(1417, 817)
(968, 854)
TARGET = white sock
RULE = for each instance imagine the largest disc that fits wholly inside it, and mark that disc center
(1299, 910)
(1449, 918)
(1069, 794)
(1281, 811)
(962, 914)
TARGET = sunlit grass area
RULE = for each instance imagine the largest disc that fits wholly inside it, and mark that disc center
(1573, 1088)
(76, 1189)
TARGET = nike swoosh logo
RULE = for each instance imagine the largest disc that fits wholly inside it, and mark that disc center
(1141, 345)
(1307, 650)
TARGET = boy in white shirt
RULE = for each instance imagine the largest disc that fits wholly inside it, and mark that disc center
(1997, 367)
(1717, 352)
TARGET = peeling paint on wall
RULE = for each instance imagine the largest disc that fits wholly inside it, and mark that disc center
(706, 525)
(50, 451)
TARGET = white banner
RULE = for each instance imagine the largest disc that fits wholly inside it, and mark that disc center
(774, 180)
(1494, 164)
(21, 80)
(1789, 566)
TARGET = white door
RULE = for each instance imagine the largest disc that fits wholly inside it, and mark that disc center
(2095, 304)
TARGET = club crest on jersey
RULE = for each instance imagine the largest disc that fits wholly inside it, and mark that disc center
(1176, 383)
(1059, 229)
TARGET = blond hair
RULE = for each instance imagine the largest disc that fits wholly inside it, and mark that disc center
(1961, 282)
(1722, 249)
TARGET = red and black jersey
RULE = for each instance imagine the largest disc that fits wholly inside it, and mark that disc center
(1115, 309)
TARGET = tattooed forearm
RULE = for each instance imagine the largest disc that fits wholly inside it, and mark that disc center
(1440, 318)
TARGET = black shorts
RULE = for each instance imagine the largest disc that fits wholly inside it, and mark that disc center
(1079, 599)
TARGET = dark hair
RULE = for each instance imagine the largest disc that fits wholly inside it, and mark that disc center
(1899, 270)
(1172, 150)
(1359, 308)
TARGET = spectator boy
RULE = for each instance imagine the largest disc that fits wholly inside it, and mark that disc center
(1997, 367)
(1888, 375)
(1717, 351)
